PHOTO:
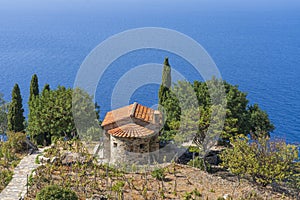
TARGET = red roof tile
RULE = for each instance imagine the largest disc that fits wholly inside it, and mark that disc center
(135, 110)
(131, 130)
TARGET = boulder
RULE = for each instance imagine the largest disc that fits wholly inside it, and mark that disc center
(70, 158)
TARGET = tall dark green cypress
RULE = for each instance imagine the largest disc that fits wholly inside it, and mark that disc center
(46, 88)
(34, 87)
(164, 89)
(164, 92)
(33, 93)
(15, 112)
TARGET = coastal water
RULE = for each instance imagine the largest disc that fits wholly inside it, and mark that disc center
(259, 52)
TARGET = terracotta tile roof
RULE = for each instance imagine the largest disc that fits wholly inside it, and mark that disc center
(131, 130)
(135, 110)
(117, 115)
(143, 113)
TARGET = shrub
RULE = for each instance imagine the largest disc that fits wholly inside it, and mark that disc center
(5, 177)
(198, 163)
(158, 174)
(16, 142)
(118, 188)
(54, 192)
(265, 161)
(195, 194)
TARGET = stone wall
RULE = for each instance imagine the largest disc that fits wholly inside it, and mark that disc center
(132, 150)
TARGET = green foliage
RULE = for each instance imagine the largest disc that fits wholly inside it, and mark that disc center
(5, 177)
(164, 91)
(46, 89)
(86, 116)
(34, 87)
(193, 195)
(199, 163)
(34, 92)
(158, 174)
(165, 82)
(10, 153)
(53, 113)
(16, 142)
(190, 109)
(37, 160)
(118, 188)
(3, 114)
(15, 112)
(294, 180)
(260, 124)
(263, 160)
(54, 192)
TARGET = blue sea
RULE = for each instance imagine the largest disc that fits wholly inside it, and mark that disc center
(257, 50)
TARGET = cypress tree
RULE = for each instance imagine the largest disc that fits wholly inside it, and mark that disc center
(15, 112)
(46, 88)
(34, 87)
(164, 92)
(164, 89)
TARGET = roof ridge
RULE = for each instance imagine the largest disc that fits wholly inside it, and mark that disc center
(133, 109)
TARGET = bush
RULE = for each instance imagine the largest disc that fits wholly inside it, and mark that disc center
(5, 177)
(195, 194)
(263, 160)
(54, 192)
(198, 163)
(158, 174)
(16, 142)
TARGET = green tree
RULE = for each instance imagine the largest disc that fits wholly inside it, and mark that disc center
(3, 114)
(34, 87)
(15, 112)
(165, 82)
(265, 161)
(164, 92)
(46, 88)
(51, 115)
(260, 124)
(86, 115)
(33, 93)
(55, 112)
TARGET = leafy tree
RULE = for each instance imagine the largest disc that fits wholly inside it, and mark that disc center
(55, 112)
(3, 114)
(240, 117)
(86, 115)
(51, 115)
(260, 124)
(15, 113)
(265, 161)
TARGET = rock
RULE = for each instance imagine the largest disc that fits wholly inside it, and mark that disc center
(53, 160)
(213, 160)
(98, 197)
(227, 196)
(69, 158)
(43, 159)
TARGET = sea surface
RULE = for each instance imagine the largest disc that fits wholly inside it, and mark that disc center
(259, 51)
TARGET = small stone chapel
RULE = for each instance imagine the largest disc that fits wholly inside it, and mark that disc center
(130, 134)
